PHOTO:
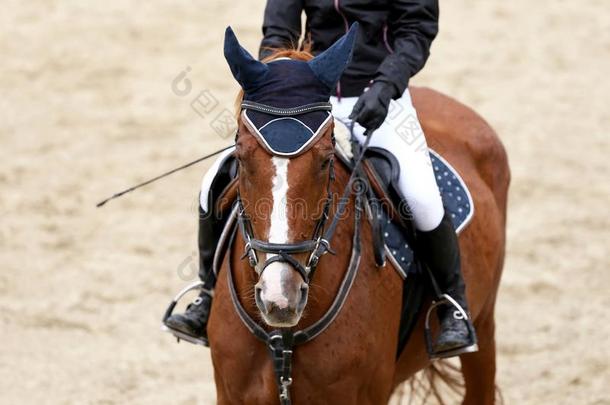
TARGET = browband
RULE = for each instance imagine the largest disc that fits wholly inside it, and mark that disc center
(286, 112)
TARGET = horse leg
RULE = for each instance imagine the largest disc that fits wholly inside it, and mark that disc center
(479, 369)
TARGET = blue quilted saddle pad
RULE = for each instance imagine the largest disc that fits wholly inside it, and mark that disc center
(457, 201)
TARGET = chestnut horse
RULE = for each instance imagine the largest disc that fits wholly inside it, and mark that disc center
(354, 360)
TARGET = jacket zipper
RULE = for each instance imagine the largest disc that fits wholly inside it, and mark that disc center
(342, 16)
(385, 38)
(346, 30)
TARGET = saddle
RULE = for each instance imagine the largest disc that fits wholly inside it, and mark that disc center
(393, 227)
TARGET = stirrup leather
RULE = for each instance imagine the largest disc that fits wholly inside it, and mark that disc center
(170, 309)
(470, 347)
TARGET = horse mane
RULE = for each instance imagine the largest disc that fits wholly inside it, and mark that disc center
(296, 54)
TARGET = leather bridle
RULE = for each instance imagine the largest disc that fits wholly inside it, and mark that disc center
(283, 252)
(281, 342)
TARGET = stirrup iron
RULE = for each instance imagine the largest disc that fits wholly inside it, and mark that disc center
(170, 309)
(471, 347)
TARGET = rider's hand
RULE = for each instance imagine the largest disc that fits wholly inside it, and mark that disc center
(372, 106)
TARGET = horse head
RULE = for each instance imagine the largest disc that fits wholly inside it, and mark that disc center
(285, 150)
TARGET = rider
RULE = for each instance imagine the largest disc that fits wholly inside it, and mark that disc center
(392, 46)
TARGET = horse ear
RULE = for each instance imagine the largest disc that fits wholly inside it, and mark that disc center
(330, 64)
(248, 71)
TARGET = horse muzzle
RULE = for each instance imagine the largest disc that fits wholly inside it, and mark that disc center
(281, 295)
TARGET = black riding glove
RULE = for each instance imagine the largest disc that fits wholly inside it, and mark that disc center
(372, 106)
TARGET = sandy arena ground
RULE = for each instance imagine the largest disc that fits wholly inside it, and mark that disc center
(87, 108)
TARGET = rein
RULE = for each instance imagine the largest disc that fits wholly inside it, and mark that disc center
(282, 342)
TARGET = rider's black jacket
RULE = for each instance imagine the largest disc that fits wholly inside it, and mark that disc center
(393, 43)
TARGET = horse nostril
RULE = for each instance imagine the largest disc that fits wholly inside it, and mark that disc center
(258, 291)
(303, 297)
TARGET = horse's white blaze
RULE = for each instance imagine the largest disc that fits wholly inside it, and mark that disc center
(278, 233)
(273, 291)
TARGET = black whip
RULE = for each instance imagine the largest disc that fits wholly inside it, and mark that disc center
(117, 195)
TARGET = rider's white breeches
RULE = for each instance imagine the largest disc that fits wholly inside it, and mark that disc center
(402, 135)
(208, 178)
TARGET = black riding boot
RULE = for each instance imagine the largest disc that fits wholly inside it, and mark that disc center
(440, 251)
(193, 322)
(192, 325)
